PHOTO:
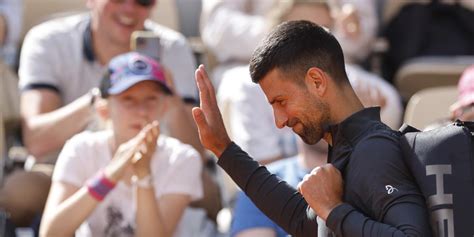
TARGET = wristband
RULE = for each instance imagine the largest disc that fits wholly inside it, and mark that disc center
(145, 182)
(99, 186)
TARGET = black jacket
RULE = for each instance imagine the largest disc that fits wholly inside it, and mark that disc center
(380, 195)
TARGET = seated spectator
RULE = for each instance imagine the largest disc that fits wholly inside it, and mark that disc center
(463, 108)
(61, 61)
(248, 219)
(425, 29)
(132, 180)
(227, 23)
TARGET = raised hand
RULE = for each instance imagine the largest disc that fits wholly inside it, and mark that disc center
(207, 116)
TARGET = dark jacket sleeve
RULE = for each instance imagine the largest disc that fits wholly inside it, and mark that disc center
(408, 220)
(286, 207)
(278, 200)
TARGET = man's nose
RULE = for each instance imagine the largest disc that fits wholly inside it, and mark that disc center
(281, 119)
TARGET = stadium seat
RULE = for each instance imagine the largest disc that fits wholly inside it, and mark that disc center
(426, 72)
(430, 106)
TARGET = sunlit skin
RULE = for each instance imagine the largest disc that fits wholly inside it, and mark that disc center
(462, 112)
(116, 20)
(308, 108)
(468, 113)
(112, 23)
(296, 107)
(132, 109)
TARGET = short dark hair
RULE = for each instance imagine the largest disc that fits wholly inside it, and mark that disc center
(295, 46)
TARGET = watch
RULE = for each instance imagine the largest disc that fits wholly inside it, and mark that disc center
(145, 182)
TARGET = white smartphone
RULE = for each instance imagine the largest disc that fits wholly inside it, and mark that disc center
(147, 43)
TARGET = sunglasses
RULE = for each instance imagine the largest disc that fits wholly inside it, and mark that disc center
(143, 3)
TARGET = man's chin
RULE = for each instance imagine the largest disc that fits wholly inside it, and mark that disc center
(309, 140)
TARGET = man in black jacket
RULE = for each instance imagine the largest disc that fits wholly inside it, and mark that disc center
(300, 68)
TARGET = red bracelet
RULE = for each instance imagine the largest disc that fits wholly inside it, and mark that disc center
(99, 186)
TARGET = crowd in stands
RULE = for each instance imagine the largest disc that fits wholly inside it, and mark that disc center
(96, 140)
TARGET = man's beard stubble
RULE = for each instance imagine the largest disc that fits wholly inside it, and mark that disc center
(316, 122)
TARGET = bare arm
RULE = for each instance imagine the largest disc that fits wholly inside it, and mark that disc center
(159, 218)
(227, 22)
(155, 217)
(47, 125)
(67, 207)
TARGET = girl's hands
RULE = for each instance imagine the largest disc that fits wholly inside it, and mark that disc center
(121, 160)
(135, 154)
(145, 149)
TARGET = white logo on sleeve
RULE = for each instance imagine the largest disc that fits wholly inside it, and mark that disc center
(390, 189)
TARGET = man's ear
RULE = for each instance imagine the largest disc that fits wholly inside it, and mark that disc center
(316, 81)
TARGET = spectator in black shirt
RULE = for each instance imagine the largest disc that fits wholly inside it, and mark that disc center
(300, 68)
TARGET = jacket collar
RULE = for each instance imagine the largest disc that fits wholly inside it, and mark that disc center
(354, 126)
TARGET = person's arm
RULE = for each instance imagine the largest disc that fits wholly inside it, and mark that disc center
(68, 205)
(278, 200)
(287, 207)
(47, 125)
(47, 120)
(284, 205)
(403, 219)
(226, 23)
(273, 196)
(155, 217)
(391, 202)
(159, 218)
